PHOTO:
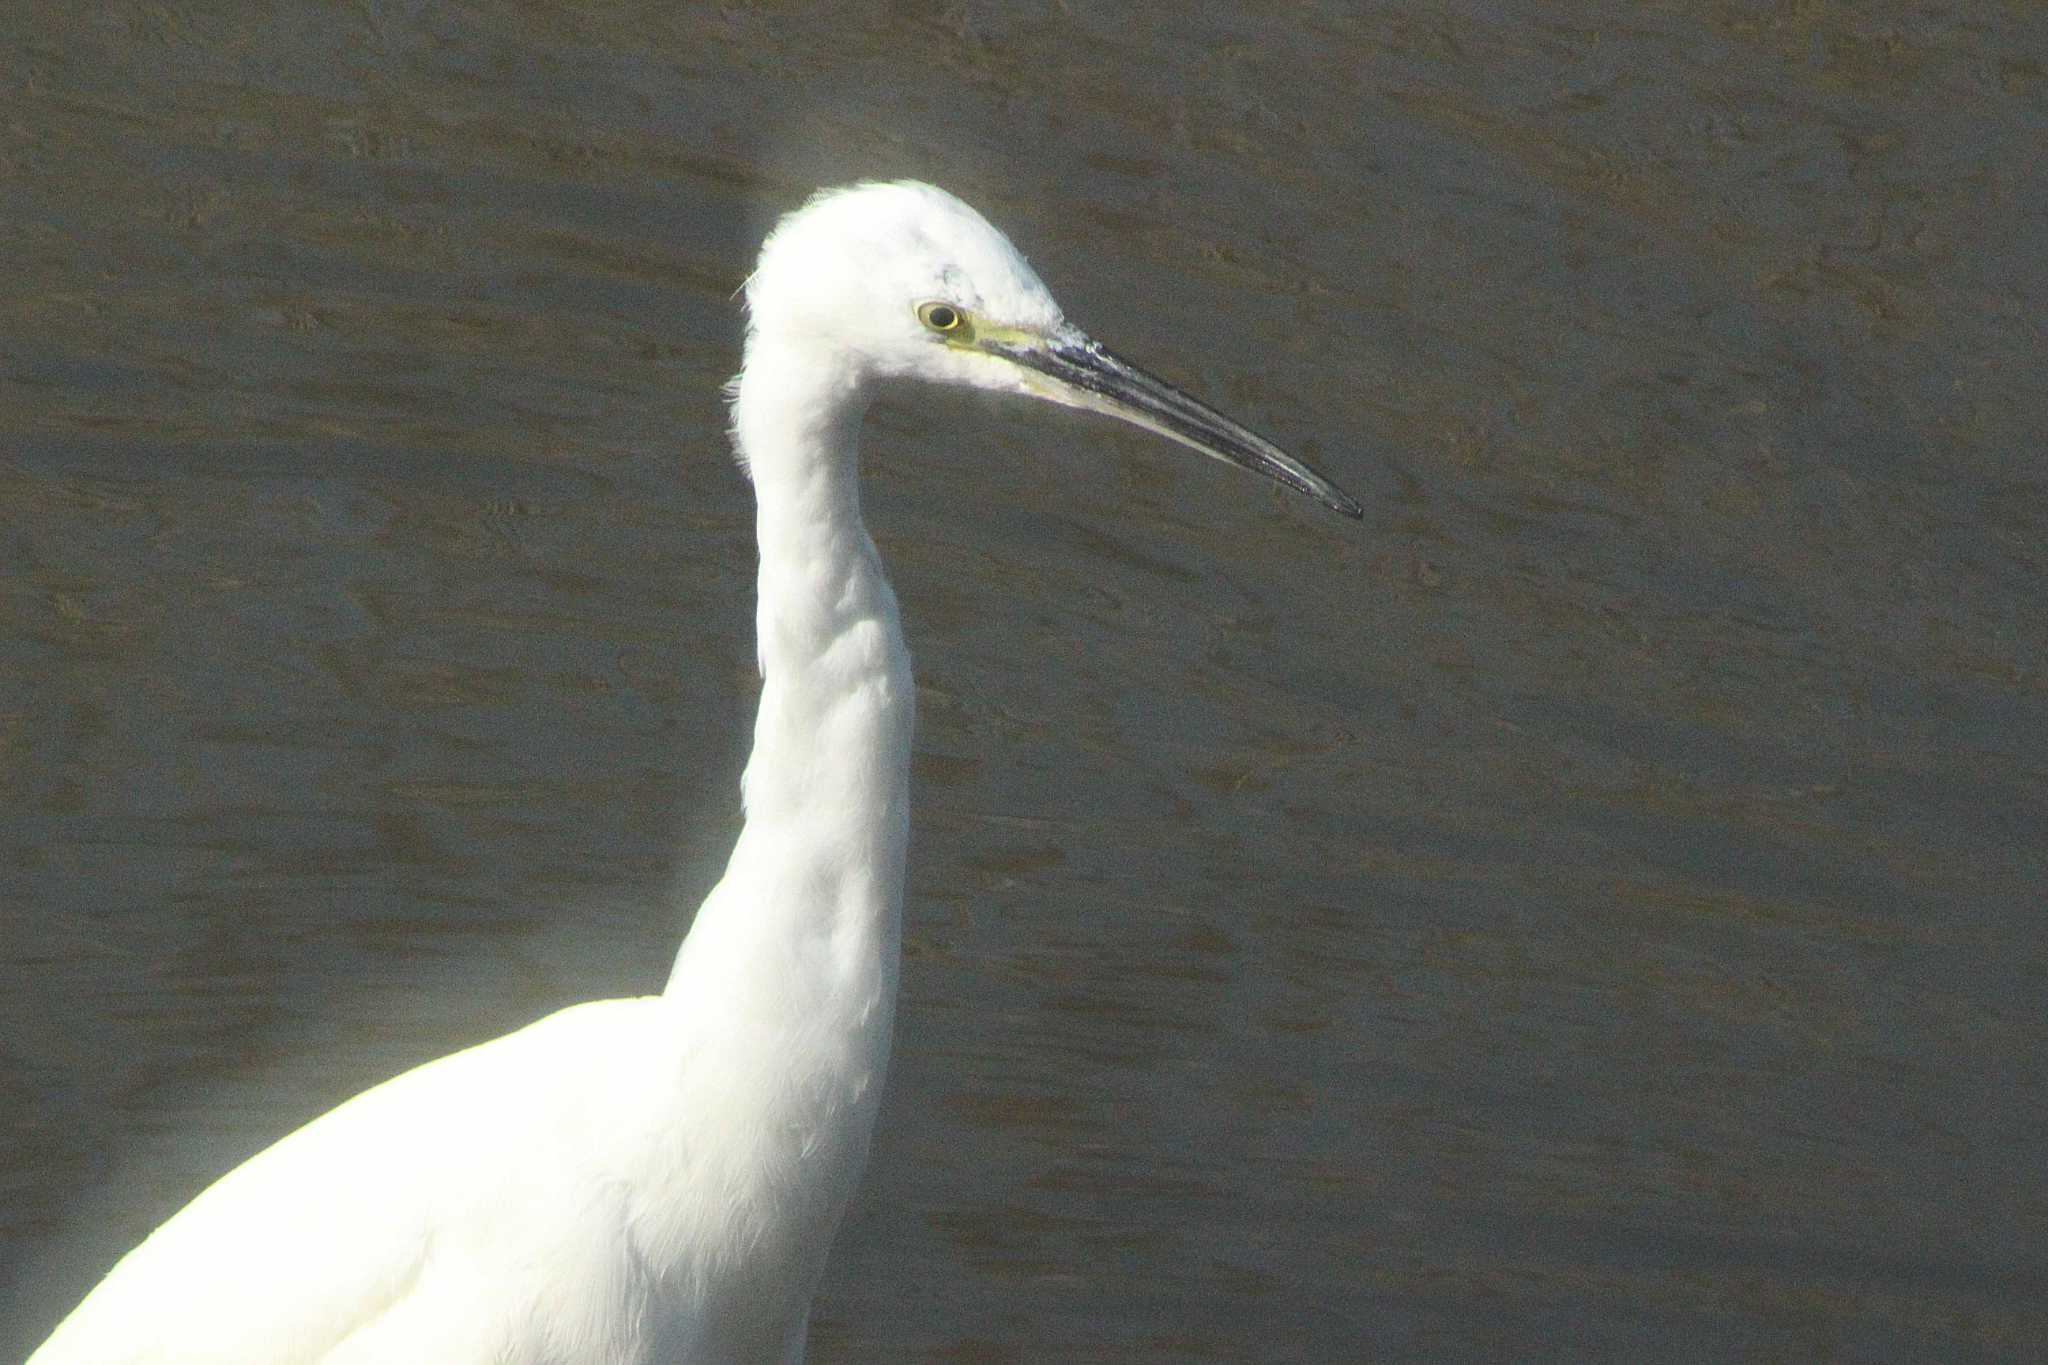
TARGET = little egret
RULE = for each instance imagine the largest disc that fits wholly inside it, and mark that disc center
(659, 1179)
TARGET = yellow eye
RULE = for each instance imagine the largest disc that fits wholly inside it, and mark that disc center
(940, 317)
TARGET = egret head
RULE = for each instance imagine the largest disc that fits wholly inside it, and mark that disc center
(902, 280)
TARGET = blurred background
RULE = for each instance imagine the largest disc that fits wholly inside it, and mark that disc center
(1595, 909)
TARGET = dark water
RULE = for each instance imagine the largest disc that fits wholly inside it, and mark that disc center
(1593, 910)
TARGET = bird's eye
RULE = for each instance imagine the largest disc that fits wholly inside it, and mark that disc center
(940, 317)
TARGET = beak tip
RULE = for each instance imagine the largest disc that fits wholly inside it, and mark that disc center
(1334, 498)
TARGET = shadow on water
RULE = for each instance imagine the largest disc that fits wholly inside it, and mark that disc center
(1591, 910)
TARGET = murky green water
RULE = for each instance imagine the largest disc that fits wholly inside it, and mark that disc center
(1593, 910)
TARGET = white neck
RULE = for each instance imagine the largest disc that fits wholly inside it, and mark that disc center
(811, 903)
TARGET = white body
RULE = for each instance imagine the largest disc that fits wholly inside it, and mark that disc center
(630, 1180)
(660, 1179)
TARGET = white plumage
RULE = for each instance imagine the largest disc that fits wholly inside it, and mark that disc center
(660, 1179)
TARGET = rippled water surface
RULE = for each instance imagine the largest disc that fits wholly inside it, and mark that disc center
(1593, 909)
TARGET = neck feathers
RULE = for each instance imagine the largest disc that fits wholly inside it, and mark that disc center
(826, 787)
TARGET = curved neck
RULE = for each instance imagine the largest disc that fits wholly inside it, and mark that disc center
(820, 859)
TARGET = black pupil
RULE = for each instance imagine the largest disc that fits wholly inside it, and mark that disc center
(942, 317)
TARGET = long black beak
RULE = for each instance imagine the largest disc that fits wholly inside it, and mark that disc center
(1087, 376)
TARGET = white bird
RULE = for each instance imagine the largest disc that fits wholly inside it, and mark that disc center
(659, 1179)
